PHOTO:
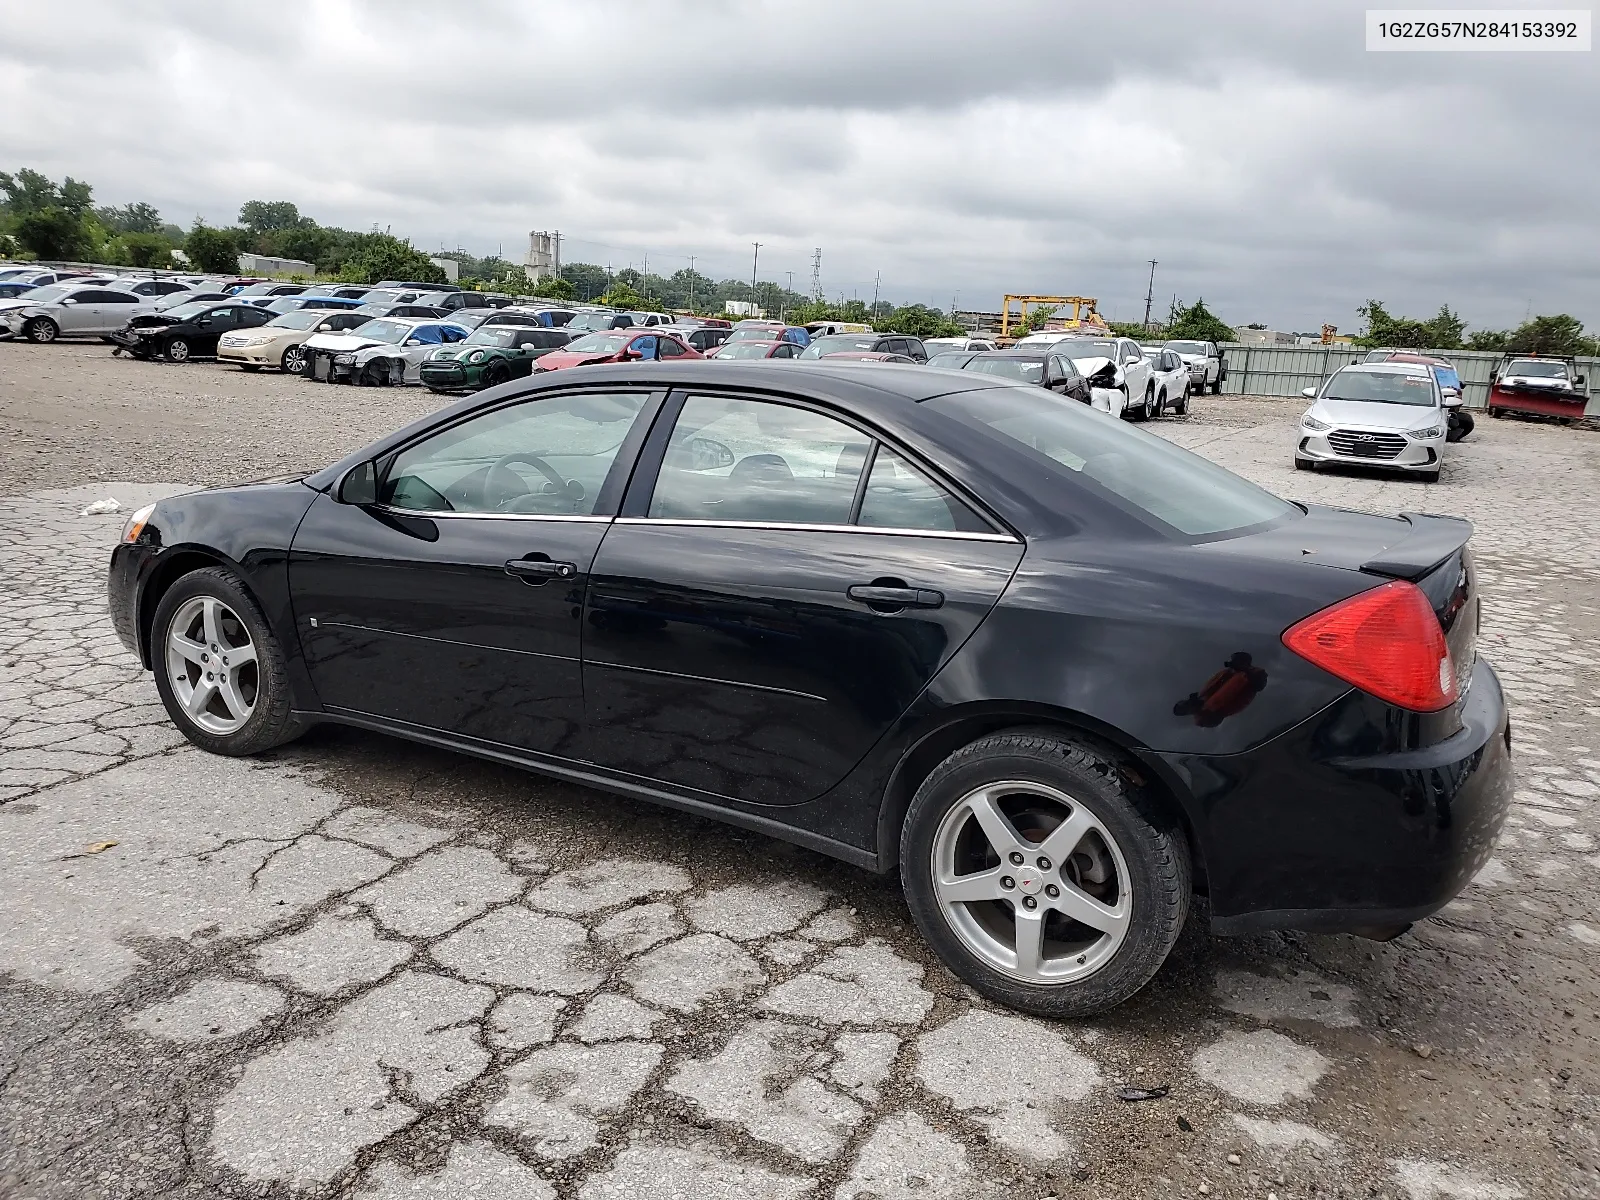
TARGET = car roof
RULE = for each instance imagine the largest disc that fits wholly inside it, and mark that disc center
(1391, 368)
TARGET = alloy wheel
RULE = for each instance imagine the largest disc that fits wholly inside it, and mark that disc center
(177, 350)
(42, 330)
(294, 360)
(1032, 882)
(212, 665)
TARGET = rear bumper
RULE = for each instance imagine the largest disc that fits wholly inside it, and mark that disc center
(1300, 836)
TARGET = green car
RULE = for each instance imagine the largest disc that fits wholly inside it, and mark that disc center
(493, 354)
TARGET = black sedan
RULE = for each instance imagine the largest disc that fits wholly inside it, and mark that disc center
(1059, 672)
(1056, 372)
(187, 330)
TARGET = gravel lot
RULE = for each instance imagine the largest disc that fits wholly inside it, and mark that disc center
(362, 968)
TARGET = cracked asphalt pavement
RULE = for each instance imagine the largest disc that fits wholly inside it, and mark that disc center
(361, 968)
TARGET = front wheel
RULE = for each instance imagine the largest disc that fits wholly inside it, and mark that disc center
(495, 374)
(219, 668)
(1042, 875)
(1183, 405)
(176, 351)
(41, 330)
(1216, 387)
(293, 361)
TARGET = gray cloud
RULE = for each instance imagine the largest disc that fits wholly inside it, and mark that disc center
(1255, 149)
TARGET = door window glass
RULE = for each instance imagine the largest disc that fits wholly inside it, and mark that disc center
(219, 318)
(546, 457)
(753, 460)
(670, 348)
(645, 346)
(114, 298)
(901, 497)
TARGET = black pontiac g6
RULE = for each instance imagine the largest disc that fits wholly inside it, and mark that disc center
(1057, 671)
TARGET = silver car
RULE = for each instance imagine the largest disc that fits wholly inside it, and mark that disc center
(72, 310)
(1377, 415)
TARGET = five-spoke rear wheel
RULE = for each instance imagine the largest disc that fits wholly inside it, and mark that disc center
(1043, 873)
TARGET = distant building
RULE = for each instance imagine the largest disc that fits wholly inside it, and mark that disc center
(742, 308)
(544, 255)
(450, 267)
(262, 264)
(1263, 337)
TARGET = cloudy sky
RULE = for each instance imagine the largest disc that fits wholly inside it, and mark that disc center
(1256, 150)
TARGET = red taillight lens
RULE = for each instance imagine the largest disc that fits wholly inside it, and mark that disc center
(1386, 641)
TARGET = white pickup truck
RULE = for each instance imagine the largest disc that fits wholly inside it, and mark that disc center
(1207, 369)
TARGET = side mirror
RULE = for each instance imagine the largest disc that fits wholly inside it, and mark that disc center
(706, 454)
(413, 341)
(1453, 400)
(70, 300)
(630, 355)
(360, 485)
(1309, 393)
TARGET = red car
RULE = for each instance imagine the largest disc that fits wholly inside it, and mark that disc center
(749, 349)
(871, 356)
(617, 345)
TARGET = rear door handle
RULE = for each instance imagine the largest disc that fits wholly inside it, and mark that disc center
(537, 570)
(897, 597)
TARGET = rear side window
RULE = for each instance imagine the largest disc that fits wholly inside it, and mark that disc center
(1148, 474)
(899, 496)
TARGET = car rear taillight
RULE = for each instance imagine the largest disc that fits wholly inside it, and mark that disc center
(1386, 641)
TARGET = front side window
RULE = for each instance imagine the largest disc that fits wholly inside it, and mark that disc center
(1180, 490)
(544, 457)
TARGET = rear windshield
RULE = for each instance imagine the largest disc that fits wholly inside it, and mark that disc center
(1180, 490)
(1028, 370)
(303, 319)
(838, 344)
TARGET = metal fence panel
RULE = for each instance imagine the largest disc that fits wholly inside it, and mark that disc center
(1287, 370)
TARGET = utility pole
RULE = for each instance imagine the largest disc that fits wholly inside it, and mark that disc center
(555, 268)
(644, 276)
(691, 283)
(754, 259)
(784, 312)
(876, 280)
(1150, 295)
(816, 275)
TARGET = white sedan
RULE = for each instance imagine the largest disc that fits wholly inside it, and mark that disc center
(1391, 415)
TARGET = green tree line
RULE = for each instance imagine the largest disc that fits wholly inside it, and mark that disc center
(1559, 334)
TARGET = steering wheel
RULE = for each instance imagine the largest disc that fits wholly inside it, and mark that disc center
(558, 486)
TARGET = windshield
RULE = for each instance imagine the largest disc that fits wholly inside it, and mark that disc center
(48, 294)
(951, 359)
(1188, 348)
(1028, 370)
(192, 309)
(1380, 387)
(495, 335)
(1078, 349)
(598, 343)
(837, 344)
(392, 332)
(743, 349)
(306, 318)
(755, 333)
(1180, 490)
(590, 321)
(256, 289)
(284, 304)
(1533, 368)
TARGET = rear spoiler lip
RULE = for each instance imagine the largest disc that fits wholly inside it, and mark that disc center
(1431, 540)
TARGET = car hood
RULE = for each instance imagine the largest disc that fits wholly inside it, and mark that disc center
(1367, 415)
(1535, 381)
(1089, 367)
(338, 343)
(152, 320)
(557, 359)
(16, 304)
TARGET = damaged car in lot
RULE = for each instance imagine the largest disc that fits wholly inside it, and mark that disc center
(71, 310)
(281, 341)
(187, 330)
(492, 354)
(936, 623)
(387, 350)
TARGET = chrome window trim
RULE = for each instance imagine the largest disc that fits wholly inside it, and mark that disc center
(959, 535)
(429, 514)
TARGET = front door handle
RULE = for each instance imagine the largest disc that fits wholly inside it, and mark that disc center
(876, 596)
(538, 570)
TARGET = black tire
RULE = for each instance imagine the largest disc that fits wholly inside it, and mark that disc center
(294, 361)
(176, 350)
(495, 374)
(1152, 844)
(1304, 464)
(41, 330)
(251, 367)
(1429, 476)
(271, 721)
(1161, 403)
(1465, 424)
(1216, 387)
(1183, 405)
